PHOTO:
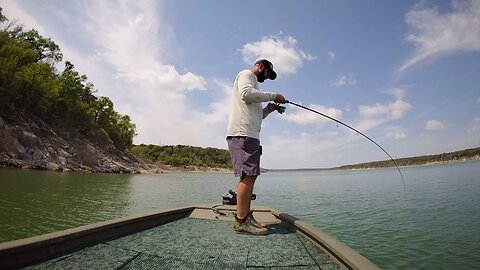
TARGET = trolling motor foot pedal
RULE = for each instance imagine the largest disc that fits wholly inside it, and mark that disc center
(231, 198)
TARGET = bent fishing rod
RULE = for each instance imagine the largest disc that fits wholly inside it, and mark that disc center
(281, 110)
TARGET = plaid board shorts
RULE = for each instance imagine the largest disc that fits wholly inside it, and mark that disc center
(245, 153)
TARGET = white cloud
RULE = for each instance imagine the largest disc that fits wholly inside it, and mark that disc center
(395, 132)
(400, 136)
(478, 100)
(117, 28)
(434, 34)
(378, 114)
(281, 50)
(397, 135)
(475, 124)
(304, 150)
(14, 13)
(219, 108)
(434, 125)
(395, 110)
(317, 149)
(343, 80)
(348, 107)
(369, 123)
(398, 93)
(331, 55)
(304, 117)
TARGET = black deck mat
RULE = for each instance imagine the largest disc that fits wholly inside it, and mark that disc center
(100, 256)
(199, 244)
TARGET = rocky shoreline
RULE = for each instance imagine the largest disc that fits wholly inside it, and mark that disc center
(35, 145)
(191, 169)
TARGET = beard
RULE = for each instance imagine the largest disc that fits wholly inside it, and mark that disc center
(261, 77)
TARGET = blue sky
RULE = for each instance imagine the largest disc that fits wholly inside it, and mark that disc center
(406, 73)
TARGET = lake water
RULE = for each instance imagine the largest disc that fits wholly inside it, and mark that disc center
(435, 226)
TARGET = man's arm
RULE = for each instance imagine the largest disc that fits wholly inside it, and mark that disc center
(249, 94)
(272, 106)
(268, 109)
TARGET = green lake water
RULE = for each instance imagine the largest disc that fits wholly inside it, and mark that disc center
(435, 226)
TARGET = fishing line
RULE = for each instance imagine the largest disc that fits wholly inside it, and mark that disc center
(354, 129)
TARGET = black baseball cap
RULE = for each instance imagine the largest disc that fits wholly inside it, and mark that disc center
(269, 66)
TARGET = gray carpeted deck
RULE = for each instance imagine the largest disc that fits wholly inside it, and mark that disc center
(198, 244)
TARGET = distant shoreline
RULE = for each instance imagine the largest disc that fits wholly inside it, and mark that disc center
(346, 168)
(190, 169)
(226, 171)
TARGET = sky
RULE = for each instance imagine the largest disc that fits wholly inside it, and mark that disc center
(405, 73)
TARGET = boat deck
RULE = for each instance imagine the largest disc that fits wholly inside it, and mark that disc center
(197, 243)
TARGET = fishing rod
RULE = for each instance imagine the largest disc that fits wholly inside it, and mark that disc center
(281, 110)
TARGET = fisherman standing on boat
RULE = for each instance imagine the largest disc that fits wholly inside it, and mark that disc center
(243, 137)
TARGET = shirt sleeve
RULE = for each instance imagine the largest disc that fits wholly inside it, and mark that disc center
(249, 94)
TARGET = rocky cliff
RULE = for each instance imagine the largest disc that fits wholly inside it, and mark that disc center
(34, 144)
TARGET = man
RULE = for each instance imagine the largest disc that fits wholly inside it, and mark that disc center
(243, 137)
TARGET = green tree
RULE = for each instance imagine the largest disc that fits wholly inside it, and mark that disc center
(103, 112)
(37, 91)
(30, 85)
(75, 100)
(2, 18)
(182, 155)
(44, 49)
(127, 131)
